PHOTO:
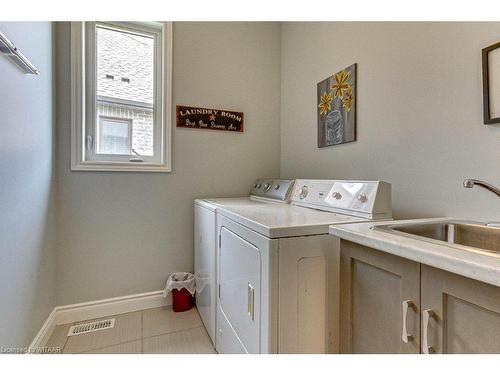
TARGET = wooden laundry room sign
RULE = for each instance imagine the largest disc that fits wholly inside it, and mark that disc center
(207, 118)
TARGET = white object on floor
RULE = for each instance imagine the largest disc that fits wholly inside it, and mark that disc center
(83, 328)
(178, 281)
(277, 267)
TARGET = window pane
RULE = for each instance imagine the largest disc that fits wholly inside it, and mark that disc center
(125, 89)
(114, 137)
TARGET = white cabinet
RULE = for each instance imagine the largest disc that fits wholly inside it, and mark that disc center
(459, 315)
(392, 305)
(205, 242)
(380, 302)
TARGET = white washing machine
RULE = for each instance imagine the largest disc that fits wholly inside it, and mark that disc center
(276, 268)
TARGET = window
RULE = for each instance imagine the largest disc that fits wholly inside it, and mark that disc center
(114, 136)
(121, 90)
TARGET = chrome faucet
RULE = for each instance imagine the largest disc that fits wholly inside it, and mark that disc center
(469, 183)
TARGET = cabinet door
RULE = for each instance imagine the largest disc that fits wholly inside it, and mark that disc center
(459, 315)
(379, 301)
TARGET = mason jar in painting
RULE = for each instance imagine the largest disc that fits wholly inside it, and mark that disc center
(334, 128)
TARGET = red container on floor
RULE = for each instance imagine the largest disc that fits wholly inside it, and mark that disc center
(182, 300)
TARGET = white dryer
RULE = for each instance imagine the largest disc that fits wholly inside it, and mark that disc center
(277, 268)
(206, 241)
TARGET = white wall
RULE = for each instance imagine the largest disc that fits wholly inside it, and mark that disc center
(123, 233)
(27, 252)
(419, 111)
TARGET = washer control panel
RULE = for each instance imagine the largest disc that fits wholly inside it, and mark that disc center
(275, 189)
(369, 199)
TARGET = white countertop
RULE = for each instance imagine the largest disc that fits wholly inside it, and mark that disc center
(477, 266)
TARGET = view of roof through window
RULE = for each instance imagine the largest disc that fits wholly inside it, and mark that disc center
(125, 55)
(125, 89)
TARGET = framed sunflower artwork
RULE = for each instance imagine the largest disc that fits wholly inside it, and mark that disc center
(337, 108)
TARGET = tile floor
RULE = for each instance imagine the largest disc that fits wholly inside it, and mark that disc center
(150, 331)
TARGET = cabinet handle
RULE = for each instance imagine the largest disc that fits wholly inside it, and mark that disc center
(426, 348)
(250, 300)
(405, 336)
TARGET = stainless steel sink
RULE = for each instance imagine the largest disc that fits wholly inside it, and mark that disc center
(475, 237)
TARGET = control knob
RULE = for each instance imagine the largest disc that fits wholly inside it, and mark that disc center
(336, 195)
(267, 187)
(361, 197)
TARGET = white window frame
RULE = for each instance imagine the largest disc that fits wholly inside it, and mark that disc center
(83, 91)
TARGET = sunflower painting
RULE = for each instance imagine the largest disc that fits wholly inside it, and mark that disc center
(337, 108)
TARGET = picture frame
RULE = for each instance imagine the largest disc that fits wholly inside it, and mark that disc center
(336, 108)
(491, 84)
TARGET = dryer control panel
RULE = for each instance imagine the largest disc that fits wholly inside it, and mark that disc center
(274, 189)
(368, 199)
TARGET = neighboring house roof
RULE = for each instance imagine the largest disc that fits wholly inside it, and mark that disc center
(128, 56)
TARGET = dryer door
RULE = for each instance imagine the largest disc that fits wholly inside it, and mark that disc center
(240, 288)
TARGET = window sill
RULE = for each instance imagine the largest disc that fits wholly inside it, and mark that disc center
(120, 167)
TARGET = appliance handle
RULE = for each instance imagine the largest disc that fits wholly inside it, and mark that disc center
(251, 301)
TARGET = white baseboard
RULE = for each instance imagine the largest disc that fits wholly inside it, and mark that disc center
(43, 335)
(97, 309)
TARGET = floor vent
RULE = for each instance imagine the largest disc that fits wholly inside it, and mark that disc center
(91, 327)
